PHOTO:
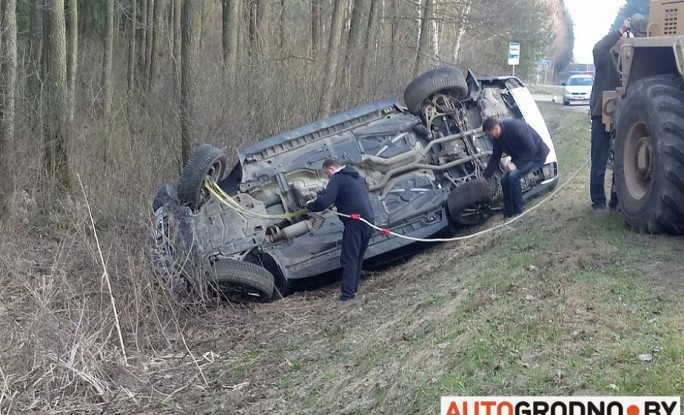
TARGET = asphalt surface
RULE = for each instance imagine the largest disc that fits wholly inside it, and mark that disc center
(559, 101)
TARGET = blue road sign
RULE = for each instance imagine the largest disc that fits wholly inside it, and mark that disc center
(513, 53)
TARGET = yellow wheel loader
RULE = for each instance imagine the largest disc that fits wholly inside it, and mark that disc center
(646, 113)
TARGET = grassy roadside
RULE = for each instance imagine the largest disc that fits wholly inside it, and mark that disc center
(546, 89)
(562, 304)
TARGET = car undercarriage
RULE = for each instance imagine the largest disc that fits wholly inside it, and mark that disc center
(421, 163)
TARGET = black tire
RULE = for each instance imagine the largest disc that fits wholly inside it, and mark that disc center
(206, 163)
(468, 204)
(242, 281)
(649, 155)
(566, 103)
(445, 78)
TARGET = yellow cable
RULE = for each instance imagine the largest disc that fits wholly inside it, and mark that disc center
(224, 198)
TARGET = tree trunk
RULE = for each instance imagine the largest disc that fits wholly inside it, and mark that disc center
(434, 42)
(369, 47)
(281, 24)
(251, 14)
(225, 18)
(178, 12)
(316, 28)
(72, 55)
(191, 27)
(131, 46)
(394, 32)
(149, 25)
(157, 33)
(36, 55)
(355, 31)
(263, 26)
(85, 18)
(465, 12)
(142, 41)
(231, 21)
(8, 75)
(425, 38)
(107, 61)
(57, 161)
(335, 39)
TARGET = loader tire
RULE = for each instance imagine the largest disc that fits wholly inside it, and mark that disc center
(649, 155)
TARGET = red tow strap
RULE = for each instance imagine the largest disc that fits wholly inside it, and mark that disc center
(357, 216)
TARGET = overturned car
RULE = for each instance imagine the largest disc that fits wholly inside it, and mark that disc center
(421, 163)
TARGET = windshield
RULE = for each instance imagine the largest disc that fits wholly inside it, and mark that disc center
(581, 81)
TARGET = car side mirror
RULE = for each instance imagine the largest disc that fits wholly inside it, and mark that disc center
(562, 83)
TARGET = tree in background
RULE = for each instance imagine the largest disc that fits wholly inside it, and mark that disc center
(332, 55)
(177, 42)
(230, 32)
(8, 84)
(462, 25)
(156, 51)
(72, 54)
(352, 55)
(191, 29)
(57, 119)
(35, 45)
(562, 53)
(316, 28)
(130, 72)
(107, 85)
(629, 9)
(370, 49)
(425, 51)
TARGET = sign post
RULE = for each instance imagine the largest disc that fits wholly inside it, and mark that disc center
(545, 63)
(513, 54)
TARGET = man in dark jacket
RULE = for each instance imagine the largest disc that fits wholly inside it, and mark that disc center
(528, 153)
(349, 192)
(606, 78)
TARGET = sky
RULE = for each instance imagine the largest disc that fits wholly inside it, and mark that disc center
(592, 19)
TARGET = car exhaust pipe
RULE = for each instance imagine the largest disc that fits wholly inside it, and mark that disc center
(290, 232)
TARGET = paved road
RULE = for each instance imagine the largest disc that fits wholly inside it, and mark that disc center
(559, 99)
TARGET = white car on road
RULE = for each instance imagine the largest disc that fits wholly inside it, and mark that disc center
(577, 89)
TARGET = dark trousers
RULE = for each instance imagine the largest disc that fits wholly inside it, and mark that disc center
(354, 243)
(600, 147)
(512, 188)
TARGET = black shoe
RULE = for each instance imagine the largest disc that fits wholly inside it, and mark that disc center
(613, 203)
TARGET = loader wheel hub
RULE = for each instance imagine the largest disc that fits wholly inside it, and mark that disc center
(643, 160)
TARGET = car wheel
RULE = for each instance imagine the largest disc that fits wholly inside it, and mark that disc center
(446, 78)
(242, 281)
(468, 204)
(649, 155)
(206, 163)
(566, 103)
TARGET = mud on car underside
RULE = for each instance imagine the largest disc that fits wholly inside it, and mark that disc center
(421, 163)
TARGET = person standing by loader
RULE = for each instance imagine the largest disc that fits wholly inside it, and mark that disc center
(606, 78)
